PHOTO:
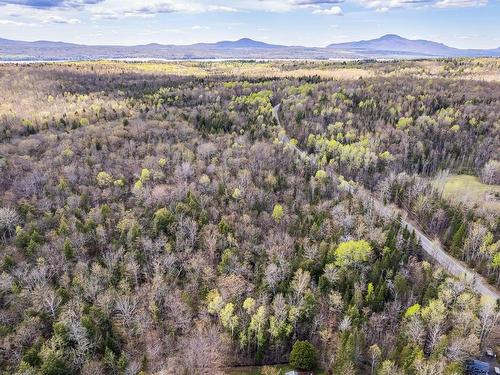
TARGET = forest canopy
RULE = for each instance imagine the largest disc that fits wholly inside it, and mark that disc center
(170, 218)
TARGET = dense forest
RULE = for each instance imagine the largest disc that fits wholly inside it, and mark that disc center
(157, 218)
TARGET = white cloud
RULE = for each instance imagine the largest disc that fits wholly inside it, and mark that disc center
(15, 23)
(386, 5)
(198, 27)
(285, 5)
(221, 8)
(460, 3)
(333, 11)
(26, 16)
(59, 19)
(72, 11)
(112, 9)
(50, 4)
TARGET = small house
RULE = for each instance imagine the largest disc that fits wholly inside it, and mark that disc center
(475, 367)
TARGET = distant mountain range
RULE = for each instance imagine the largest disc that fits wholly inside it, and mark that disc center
(395, 43)
(387, 46)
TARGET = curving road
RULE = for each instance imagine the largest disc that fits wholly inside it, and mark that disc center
(452, 265)
(434, 250)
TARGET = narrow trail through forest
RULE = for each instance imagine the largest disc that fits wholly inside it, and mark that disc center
(432, 248)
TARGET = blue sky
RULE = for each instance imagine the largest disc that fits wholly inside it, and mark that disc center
(458, 23)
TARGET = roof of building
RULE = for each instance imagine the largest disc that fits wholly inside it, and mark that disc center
(478, 365)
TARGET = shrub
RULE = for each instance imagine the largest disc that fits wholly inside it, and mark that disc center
(404, 122)
(104, 179)
(321, 175)
(163, 220)
(54, 364)
(277, 213)
(303, 356)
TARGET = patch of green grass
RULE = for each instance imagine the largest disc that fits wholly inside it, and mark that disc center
(469, 189)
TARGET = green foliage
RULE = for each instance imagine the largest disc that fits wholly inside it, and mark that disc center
(458, 239)
(280, 330)
(138, 186)
(67, 153)
(277, 212)
(345, 355)
(303, 356)
(214, 301)
(28, 124)
(54, 363)
(84, 121)
(104, 179)
(385, 156)
(454, 368)
(120, 183)
(257, 326)
(412, 310)
(225, 261)
(68, 249)
(236, 193)
(214, 122)
(145, 175)
(228, 319)
(8, 263)
(350, 155)
(404, 122)
(495, 263)
(224, 227)
(352, 253)
(388, 367)
(163, 221)
(249, 305)
(29, 241)
(31, 356)
(261, 98)
(320, 175)
(100, 330)
(410, 353)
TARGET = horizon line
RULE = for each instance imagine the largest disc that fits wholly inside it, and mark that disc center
(240, 39)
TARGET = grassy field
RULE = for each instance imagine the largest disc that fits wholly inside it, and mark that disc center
(469, 189)
(482, 69)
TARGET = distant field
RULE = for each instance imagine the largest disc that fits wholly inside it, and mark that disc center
(482, 69)
(469, 189)
(250, 69)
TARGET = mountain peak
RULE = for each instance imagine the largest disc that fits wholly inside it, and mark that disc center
(391, 37)
(392, 43)
(243, 43)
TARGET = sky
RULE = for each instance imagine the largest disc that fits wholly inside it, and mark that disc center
(458, 23)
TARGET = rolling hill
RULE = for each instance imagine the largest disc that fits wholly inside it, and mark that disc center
(387, 46)
(391, 43)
